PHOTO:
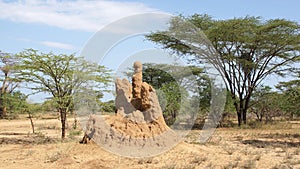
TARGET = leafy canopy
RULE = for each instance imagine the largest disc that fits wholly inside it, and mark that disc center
(243, 50)
(69, 79)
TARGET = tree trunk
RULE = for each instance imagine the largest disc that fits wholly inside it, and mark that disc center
(245, 115)
(63, 118)
(174, 115)
(31, 122)
(239, 114)
(4, 111)
(241, 110)
(75, 121)
(1, 112)
(3, 92)
(246, 106)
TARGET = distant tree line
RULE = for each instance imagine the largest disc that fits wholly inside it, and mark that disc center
(266, 104)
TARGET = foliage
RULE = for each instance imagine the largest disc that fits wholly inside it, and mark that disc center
(63, 76)
(244, 50)
(87, 100)
(15, 103)
(108, 106)
(35, 108)
(9, 82)
(173, 98)
(173, 82)
(265, 103)
(49, 106)
(168, 90)
(291, 96)
(229, 106)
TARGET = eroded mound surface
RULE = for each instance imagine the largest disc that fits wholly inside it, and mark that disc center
(135, 129)
(127, 138)
(138, 128)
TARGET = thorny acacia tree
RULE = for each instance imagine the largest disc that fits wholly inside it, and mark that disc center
(266, 103)
(244, 50)
(189, 77)
(63, 76)
(8, 80)
(172, 83)
(291, 96)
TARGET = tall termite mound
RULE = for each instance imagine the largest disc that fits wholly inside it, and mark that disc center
(138, 127)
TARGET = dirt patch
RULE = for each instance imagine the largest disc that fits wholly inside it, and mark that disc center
(225, 149)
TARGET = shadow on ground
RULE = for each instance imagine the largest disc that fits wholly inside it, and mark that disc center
(31, 139)
(273, 144)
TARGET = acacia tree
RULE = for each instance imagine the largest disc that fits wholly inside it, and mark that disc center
(244, 50)
(266, 103)
(9, 81)
(291, 96)
(173, 82)
(63, 76)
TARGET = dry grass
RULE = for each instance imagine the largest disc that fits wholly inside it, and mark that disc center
(228, 148)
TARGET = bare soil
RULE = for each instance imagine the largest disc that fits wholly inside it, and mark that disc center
(272, 146)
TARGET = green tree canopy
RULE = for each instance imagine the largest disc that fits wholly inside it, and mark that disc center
(15, 103)
(291, 96)
(244, 50)
(266, 103)
(174, 83)
(108, 106)
(63, 76)
(9, 81)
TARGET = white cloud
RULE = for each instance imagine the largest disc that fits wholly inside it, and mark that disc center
(50, 44)
(70, 14)
(58, 45)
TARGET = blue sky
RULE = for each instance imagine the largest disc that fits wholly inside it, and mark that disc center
(66, 26)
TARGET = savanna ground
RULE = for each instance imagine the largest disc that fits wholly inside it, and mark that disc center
(274, 146)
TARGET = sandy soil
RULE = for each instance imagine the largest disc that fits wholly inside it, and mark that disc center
(270, 147)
